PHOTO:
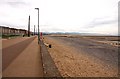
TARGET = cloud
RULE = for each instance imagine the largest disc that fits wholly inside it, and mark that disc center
(49, 29)
(102, 21)
(59, 15)
(14, 3)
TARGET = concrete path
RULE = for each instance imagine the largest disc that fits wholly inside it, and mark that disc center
(15, 48)
(27, 64)
(10, 42)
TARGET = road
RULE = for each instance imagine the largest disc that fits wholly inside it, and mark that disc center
(81, 57)
(21, 58)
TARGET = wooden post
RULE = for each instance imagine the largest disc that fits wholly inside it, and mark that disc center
(29, 26)
(34, 29)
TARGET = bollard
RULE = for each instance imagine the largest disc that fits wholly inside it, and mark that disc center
(48, 45)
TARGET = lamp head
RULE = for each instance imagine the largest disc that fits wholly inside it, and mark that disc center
(37, 8)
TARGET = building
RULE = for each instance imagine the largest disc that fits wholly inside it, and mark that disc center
(13, 31)
(5, 30)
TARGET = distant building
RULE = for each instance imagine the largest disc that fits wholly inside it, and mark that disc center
(13, 31)
(23, 32)
(5, 30)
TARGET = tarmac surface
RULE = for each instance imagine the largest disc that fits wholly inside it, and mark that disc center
(22, 58)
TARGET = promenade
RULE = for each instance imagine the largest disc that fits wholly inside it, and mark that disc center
(26, 63)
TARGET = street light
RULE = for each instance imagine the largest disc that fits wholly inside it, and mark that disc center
(38, 26)
(34, 29)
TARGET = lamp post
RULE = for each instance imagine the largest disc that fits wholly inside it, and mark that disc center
(38, 26)
(34, 29)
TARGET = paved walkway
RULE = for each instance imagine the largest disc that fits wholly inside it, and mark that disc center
(9, 42)
(27, 64)
(13, 50)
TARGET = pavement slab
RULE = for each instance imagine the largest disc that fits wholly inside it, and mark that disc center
(27, 64)
(11, 52)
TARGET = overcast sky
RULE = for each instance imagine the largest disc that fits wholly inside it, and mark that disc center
(86, 16)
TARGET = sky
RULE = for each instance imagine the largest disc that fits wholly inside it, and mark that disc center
(84, 16)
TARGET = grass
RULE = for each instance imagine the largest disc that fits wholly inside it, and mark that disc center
(9, 36)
